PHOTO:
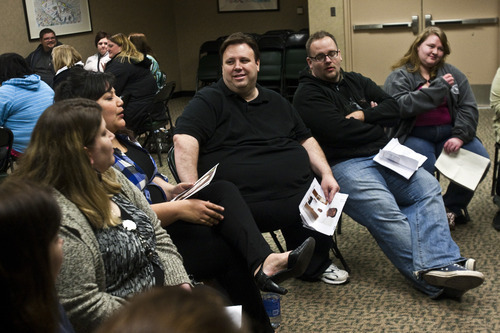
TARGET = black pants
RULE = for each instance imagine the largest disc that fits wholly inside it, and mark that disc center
(284, 214)
(229, 252)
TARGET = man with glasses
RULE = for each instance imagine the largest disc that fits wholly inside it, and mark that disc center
(262, 146)
(40, 60)
(347, 114)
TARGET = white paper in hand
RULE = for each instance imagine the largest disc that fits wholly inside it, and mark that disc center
(317, 213)
(463, 167)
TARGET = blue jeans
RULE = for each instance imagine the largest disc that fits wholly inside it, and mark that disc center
(429, 141)
(406, 217)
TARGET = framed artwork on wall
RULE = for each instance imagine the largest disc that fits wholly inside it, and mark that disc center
(227, 6)
(63, 16)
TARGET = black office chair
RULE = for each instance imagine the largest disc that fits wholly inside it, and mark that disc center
(271, 61)
(283, 33)
(159, 133)
(209, 65)
(295, 62)
(6, 141)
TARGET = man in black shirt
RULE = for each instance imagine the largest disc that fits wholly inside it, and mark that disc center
(261, 145)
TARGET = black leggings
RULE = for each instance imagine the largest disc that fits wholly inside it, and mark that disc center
(229, 252)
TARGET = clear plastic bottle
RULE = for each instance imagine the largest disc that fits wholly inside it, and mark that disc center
(272, 304)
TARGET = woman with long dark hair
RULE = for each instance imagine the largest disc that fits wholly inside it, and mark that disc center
(30, 259)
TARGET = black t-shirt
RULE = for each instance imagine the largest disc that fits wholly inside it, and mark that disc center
(257, 143)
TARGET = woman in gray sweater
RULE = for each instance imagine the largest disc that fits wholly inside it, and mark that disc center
(438, 110)
(114, 246)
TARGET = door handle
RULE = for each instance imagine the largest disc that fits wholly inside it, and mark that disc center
(413, 25)
(429, 21)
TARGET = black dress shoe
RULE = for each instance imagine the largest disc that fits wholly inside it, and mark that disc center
(298, 260)
(265, 283)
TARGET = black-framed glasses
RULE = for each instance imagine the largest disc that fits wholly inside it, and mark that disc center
(322, 57)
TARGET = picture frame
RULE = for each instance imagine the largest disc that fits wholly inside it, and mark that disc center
(229, 6)
(65, 17)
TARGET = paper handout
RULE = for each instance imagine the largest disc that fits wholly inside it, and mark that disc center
(235, 312)
(317, 213)
(399, 158)
(200, 183)
(464, 167)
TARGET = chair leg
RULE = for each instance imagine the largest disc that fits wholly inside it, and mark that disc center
(466, 214)
(158, 145)
(276, 241)
(337, 254)
(495, 171)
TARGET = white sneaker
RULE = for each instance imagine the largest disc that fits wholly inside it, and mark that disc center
(334, 275)
(470, 264)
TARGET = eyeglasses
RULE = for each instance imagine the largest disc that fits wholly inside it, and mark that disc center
(322, 57)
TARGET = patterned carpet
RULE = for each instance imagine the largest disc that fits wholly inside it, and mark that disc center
(378, 298)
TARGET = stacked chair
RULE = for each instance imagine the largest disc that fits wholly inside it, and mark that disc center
(272, 49)
(158, 134)
(295, 62)
(209, 65)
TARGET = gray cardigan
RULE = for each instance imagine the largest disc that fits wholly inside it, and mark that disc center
(403, 85)
(81, 283)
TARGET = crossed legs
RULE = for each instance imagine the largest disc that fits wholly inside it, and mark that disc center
(407, 218)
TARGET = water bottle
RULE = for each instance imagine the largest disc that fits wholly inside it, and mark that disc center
(273, 308)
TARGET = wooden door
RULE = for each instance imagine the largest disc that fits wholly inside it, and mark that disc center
(381, 31)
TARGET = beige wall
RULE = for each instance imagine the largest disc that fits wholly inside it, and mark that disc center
(479, 37)
(158, 25)
(175, 28)
(320, 19)
(198, 21)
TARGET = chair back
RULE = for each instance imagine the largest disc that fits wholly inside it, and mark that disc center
(295, 62)
(271, 61)
(171, 164)
(209, 65)
(283, 33)
(165, 94)
(6, 141)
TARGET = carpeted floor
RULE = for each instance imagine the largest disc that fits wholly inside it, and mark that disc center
(378, 298)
